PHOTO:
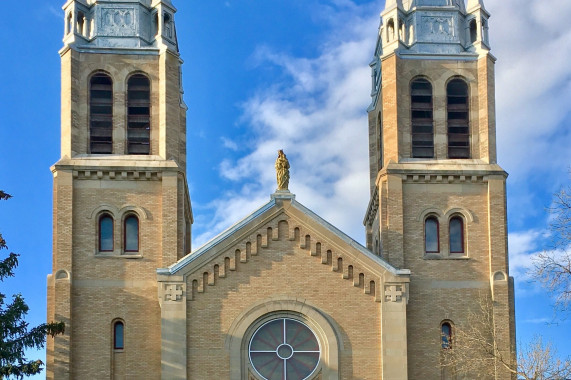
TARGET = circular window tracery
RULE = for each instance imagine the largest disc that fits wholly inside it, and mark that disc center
(284, 349)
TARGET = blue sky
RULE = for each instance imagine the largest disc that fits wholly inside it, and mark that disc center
(262, 75)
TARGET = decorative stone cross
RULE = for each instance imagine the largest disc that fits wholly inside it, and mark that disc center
(173, 293)
(393, 293)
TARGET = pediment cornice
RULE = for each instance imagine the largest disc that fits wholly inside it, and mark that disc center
(284, 219)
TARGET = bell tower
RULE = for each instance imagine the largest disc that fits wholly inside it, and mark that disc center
(121, 202)
(438, 200)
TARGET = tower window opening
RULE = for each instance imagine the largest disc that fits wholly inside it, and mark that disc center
(105, 233)
(167, 27)
(81, 23)
(446, 335)
(101, 115)
(422, 119)
(69, 23)
(131, 234)
(431, 232)
(473, 31)
(118, 335)
(402, 31)
(456, 233)
(391, 30)
(484, 30)
(139, 115)
(458, 123)
(156, 24)
(411, 34)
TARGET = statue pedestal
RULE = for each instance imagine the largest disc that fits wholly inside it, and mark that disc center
(282, 194)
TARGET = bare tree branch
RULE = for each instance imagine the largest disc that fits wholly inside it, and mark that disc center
(552, 267)
(474, 354)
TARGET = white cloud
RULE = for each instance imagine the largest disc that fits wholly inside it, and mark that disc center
(229, 144)
(523, 248)
(317, 115)
(533, 85)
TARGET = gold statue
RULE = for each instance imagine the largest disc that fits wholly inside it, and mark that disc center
(282, 171)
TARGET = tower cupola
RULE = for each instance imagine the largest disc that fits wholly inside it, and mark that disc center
(442, 28)
(120, 25)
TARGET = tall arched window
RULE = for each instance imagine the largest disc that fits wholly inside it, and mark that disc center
(101, 114)
(431, 231)
(422, 119)
(105, 233)
(118, 335)
(456, 227)
(139, 115)
(131, 234)
(458, 122)
(446, 335)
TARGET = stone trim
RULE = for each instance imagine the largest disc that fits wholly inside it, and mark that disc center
(118, 175)
(439, 178)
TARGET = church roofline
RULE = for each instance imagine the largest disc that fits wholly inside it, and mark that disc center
(190, 258)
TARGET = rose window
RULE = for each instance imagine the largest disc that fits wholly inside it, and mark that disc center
(284, 349)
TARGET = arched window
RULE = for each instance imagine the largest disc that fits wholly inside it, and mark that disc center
(390, 30)
(431, 232)
(139, 115)
(118, 335)
(484, 30)
(167, 27)
(81, 23)
(422, 119)
(69, 23)
(131, 234)
(156, 24)
(458, 124)
(101, 114)
(446, 335)
(402, 31)
(105, 233)
(456, 227)
(473, 31)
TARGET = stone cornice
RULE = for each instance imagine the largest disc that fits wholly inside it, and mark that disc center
(249, 238)
(443, 171)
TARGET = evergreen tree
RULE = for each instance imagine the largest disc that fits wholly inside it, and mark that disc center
(15, 333)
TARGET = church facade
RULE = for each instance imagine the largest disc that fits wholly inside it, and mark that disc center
(282, 294)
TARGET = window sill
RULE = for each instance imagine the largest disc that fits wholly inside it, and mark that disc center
(101, 255)
(436, 256)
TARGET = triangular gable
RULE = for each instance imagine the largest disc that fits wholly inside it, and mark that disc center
(243, 241)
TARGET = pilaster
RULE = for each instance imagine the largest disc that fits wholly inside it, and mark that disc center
(170, 217)
(487, 110)
(389, 88)
(394, 331)
(392, 223)
(172, 299)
